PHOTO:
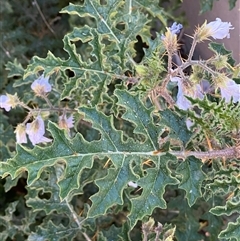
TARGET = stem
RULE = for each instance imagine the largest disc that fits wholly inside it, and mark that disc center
(47, 100)
(130, 7)
(75, 217)
(203, 66)
(231, 152)
(5, 51)
(158, 231)
(25, 106)
(53, 109)
(194, 43)
(166, 80)
(43, 18)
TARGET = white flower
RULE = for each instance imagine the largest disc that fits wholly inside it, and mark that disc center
(183, 90)
(64, 122)
(21, 134)
(8, 101)
(36, 130)
(219, 29)
(41, 86)
(229, 90)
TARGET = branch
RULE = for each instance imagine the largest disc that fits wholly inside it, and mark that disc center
(231, 152)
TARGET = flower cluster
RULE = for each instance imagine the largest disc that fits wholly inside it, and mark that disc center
(36, 129)
(188, 86)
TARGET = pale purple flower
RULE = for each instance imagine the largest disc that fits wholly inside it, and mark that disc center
(36, 130)
(8, 101)
(193, 91)
(229, 90)
(41, 86)
(21, 134)
(176, 28)
(5, 102)
(64, 122)
(219, 29)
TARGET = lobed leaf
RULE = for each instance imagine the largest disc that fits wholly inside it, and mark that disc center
(192, 178)
(232, 232)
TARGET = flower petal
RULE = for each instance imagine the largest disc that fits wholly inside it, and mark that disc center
(195, 92)
(21, 134)
(176, 28)
(64, 122)
(5, 102)
(36, 130)
(41, 86)
(219, 29)
(230, 90)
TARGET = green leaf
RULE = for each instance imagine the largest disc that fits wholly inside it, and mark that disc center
(192, 177)
(107, 48)
(232, 4)
(153, 185)
(140, 116)
(44, 193)
(116, 233)
(232, 206)
(214, 225)
(206, 5)
(186, 218)
(77, 155)
(17, 71)
(111, 187)
(232, 232)
(52, 232)
(177, 125)
(13, 225)
(14, 68)
(88, 74)
(63, 150)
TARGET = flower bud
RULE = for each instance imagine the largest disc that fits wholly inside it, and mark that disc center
(21, 133)
(64, 122)
(197, 74)
(220, 61)
(141, 70)
(170, 42)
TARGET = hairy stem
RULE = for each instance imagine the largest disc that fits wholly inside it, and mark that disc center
(231, 152)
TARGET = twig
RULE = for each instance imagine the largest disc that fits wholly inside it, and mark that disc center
(77, 220)
(5, 51)
(231, 152)
(43, 18)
